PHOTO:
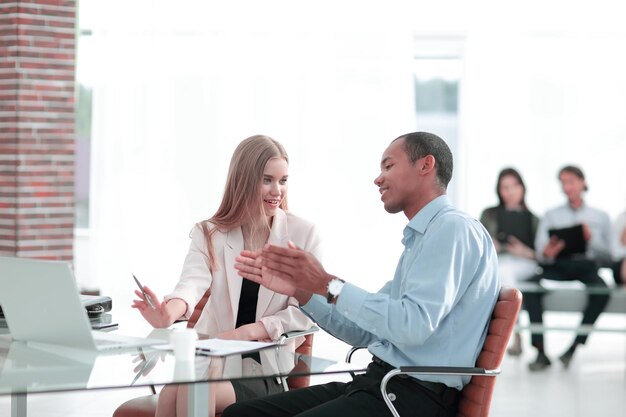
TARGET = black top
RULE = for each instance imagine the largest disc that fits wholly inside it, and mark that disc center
(246, 313)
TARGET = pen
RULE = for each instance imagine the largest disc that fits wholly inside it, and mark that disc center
(146, 296)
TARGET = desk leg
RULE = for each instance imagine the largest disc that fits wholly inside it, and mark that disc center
(18, 405)
(198, 405)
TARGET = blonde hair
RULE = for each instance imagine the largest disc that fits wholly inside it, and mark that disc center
(242, 201)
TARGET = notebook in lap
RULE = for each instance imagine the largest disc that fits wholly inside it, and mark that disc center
(574, 238)
(515, 223)
(42, 305)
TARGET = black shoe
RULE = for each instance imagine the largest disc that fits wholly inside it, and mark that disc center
(566, 358)
(541, 363)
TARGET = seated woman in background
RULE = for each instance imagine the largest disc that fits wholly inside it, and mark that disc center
(618, 249)
(512, 227)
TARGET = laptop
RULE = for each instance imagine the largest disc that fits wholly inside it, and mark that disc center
(42, 305)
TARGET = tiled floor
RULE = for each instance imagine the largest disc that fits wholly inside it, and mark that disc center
(594, 385)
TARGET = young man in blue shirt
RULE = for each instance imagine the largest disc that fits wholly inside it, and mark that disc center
(435, 310)
(558, 266)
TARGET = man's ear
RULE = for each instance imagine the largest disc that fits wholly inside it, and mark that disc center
(428, 164)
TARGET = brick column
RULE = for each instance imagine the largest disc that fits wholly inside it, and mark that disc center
(37, 42)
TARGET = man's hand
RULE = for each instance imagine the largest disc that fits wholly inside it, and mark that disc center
(249, 266)
(290, 271)
(553, 248)
(623, 237)
(298, 266)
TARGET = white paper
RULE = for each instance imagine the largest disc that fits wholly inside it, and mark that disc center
(221, 347)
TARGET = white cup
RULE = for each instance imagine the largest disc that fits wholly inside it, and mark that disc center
(184, 371)
(184, 343)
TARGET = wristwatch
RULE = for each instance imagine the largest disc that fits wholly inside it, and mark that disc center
(333, 289)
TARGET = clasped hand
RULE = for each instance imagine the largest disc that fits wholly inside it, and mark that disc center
(290, 271)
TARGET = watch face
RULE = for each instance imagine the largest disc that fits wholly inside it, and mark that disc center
(334, 286)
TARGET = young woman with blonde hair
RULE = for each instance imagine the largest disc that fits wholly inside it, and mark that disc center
(253, 212)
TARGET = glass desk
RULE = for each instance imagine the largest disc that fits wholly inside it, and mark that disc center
(27, 370)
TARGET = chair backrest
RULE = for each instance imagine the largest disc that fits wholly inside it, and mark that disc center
(193, 319)
(306, 348)
(476, 396)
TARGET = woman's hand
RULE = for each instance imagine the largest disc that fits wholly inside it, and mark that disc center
(146, 361)
(163, 314)
(252, 331)
(497, 245)
(516, 247)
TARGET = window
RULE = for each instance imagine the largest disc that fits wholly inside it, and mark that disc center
(83, 132)
(437, 75)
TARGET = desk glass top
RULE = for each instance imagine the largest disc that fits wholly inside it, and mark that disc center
(27, 369)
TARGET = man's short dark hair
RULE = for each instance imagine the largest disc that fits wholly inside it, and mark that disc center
(421, 144)
(574, 170)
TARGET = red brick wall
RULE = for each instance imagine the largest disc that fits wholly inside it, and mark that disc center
(37, 62)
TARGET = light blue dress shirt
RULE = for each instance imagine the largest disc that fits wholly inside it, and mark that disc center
(436, 309)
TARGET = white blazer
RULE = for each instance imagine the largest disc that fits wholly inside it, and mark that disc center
(278, 313)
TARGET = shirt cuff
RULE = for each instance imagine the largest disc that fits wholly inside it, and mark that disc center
(316, 307)
(350, 301)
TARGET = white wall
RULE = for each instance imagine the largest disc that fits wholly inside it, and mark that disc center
(177, 86)
(542, 100)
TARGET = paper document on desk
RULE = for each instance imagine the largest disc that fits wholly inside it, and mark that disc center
(221, 347)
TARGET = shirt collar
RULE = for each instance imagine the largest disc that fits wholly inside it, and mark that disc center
(420, 221)
(582, 206)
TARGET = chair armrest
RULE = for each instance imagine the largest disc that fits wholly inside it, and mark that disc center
(429, 370)
(351, 352)
(444, 370)
(296, 333)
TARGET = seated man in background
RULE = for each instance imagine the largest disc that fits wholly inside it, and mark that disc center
(560, 261)
(435, 310)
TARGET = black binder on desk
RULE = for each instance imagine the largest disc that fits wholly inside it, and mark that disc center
(574, 238)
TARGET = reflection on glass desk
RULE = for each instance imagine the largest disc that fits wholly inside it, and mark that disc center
(25, 370)
(103, 322)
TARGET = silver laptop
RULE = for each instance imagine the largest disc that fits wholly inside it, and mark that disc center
(42, 305)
